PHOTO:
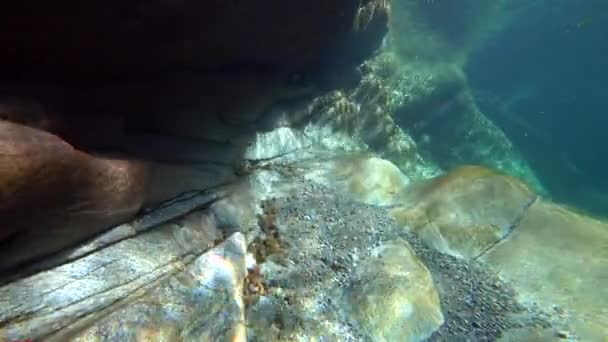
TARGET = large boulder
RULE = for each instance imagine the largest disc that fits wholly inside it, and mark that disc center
(372, 180)
(176, 272)
(392, 295)
(558, 259)
(553, 256)
(52, 195)
(466, 211)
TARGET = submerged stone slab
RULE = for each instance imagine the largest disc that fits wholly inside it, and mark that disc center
(201, 303)
(559, 259)
(392, 295)
(131, 291)
(328, 233)
(464, 212)
(151, 277)
(556, 259)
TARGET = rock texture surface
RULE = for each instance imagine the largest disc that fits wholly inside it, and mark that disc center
(183, 87)
(554, 257)
(392, 295)
(315, 265)
(111, 39)
(465, 212)
(557, 258)
(267, 196)
(145, 279)
(74, 195)
(326, 237)
(376, 181)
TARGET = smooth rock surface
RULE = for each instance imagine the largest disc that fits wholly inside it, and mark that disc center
(373, 180)
(554, 257)
(171, 291)
(326, 233)
(162, 275)
(202, 302)
(464, 212)
(52, 195)
(558, 258)
(392, 295)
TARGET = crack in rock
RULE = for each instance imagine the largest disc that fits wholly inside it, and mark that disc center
(154, 217)
(514, 224)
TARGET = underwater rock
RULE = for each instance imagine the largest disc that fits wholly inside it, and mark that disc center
(367, 113)
(325, 234)
(558, 258)
(554, 257)
(52, 195)
(201, 301)
(464, 212)
(171, 279)
(292, 144)
(392, 296)
(531, 334)
(422, 68)
(442, 31)
(372, 180)
(436, 106)
(279, 142)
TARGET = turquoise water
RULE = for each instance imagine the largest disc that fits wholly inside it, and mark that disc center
(542, 79)
(537, 70)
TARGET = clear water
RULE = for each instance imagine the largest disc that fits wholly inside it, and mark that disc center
(542, 79)
(537, 70)
(453, 187)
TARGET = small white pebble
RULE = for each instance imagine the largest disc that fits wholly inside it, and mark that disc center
(250, 261)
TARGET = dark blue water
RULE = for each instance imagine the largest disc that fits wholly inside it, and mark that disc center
(544, 80)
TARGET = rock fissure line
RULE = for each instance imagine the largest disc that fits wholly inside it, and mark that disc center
(149, 284)
(166, 211)
(79, 278)
(177, 207)
(256, 161)
(514, 224)
(32, 313)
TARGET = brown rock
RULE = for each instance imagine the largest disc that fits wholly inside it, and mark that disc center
(465, 211)
(52, 195)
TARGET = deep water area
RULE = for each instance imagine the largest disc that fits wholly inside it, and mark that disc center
(542, 79)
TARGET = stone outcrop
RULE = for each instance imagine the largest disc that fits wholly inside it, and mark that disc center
(434, 102)
(316, 264)
(135, 104)
(198, 71)
(374, 180)
(466, 211)
(76, 195)
(557, 258)
(166, 274)
(52, 195)
(346, 245)
(553, 256)
(392, 295)
(329, 242)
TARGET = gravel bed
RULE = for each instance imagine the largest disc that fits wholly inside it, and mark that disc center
(327, 234)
